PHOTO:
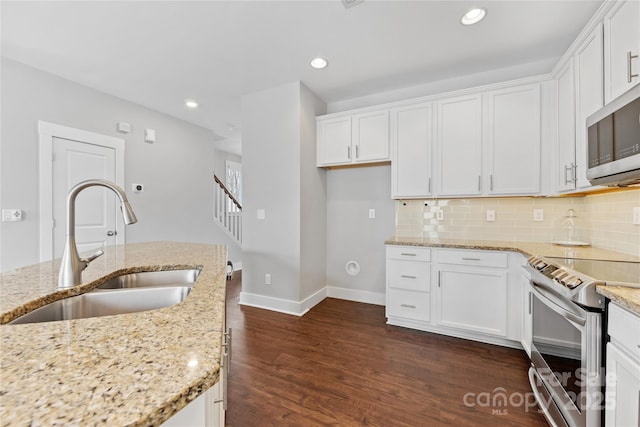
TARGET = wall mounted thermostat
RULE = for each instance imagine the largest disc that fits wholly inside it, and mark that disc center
(137, 188)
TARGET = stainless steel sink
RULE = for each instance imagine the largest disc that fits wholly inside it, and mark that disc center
(152, 278)
(106, 303)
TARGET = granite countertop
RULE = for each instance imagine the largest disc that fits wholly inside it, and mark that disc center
(628, 297)
(131, 369)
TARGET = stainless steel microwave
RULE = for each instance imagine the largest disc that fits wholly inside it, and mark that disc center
(613, 141)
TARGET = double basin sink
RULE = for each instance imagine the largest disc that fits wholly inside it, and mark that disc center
(129, 293)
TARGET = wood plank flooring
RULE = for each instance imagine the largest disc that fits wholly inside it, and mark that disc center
(341, 365)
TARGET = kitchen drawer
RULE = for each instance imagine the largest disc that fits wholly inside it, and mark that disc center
(474, 258)
(410, 253)
(623, 328)
(408, 304)
(409, 275)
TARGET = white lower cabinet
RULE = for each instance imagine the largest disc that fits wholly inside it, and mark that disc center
(472, 299)
(623, 369)
(474, 294)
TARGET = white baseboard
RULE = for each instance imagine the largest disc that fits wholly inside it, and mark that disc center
(300, 308)
(377, 298)
(237, 266)
(295, 308)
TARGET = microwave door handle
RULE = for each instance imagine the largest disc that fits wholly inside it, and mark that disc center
(545, 296)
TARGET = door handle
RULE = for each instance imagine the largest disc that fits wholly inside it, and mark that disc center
(112, 233)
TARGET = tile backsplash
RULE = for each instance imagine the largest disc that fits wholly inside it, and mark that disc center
(604, 220)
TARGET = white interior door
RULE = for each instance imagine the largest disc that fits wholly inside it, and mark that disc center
(67, 157)
(96, 221)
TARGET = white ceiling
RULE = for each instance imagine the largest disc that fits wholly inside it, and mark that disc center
(158, 53)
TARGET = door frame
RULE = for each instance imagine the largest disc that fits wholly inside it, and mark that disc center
(46, 132)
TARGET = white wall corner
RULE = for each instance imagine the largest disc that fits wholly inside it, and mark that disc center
(368, 297)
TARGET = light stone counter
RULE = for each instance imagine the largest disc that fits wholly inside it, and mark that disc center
(628, 297)
(131, 369)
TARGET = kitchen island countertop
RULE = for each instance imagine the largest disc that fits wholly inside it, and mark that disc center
(628, 297)
(131, 369)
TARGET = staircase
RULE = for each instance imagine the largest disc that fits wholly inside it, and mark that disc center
(227, 211)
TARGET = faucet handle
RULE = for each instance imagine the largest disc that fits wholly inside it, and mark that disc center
(86, 261)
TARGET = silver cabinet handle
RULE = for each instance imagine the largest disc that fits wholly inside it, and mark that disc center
(479, 183)
(439, 276)
(491, 182)
(429, 190)
(404, 276)
(471, 259)
(630, 74)
(348, 152)
(407, 254)
(530, 301)
(357, 152)
(575, 173)
(568, 168)
(112, 232)
(407, 306)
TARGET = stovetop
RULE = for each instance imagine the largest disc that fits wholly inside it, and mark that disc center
(576, 279)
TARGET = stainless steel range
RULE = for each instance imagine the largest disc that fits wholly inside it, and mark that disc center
(567, 348)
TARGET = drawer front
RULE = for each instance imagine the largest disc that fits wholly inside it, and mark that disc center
(474, 258)
(409, 275)
(407, 304)
(624, 327)
(409, 253)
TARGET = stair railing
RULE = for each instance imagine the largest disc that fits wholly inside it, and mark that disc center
(227, 211)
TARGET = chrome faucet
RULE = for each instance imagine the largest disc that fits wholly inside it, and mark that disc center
(72, 265)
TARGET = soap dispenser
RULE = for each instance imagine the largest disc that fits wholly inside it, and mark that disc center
(569, 231)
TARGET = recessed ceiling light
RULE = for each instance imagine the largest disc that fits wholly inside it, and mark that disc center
(318, 63)
(190, 103)
(473, 16)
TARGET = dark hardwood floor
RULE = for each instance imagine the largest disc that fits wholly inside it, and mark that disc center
(341, 365)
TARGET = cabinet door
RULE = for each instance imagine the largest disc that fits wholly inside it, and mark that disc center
(411, 133)
(473, 300)
(566, 128)
(370, 136)
(621, 49)
(459, 143)
(512, 125)
(589, 97)
(334, 141)
(622, 389)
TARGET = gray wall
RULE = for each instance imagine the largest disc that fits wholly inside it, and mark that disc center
(279, 173)
(177, 169)
(351, 235)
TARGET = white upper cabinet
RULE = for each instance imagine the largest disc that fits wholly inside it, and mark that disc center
(370, 136)
(334, 141)
(566, 136)
(459, 145)
(512, 125)
(359, 138)
(621, 49)
(411, 145)
(589, 97)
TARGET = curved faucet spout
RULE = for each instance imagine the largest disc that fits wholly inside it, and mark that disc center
(72, 265)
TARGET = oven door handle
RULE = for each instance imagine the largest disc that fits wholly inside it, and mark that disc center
(543, 403)
(554, 304)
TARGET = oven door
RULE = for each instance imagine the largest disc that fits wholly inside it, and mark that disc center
(566, 355)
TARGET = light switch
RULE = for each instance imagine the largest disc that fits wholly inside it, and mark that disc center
(150, 135)
(261, 214)
(538, 215)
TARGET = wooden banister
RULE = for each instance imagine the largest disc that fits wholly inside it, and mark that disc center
(226, 190)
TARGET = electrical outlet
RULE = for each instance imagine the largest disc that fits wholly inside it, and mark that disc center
(372, 213)
(538, 215)
(267, 279)
(491, 215)
(440, 215)
(636, 215)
